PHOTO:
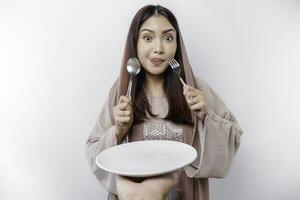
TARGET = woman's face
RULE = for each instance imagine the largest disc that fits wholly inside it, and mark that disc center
(156, 44)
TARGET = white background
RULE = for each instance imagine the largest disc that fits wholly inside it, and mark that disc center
(59, 58)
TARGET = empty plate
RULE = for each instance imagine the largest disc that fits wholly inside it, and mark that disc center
(146, 158)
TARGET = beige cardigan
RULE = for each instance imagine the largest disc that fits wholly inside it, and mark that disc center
(217, 140)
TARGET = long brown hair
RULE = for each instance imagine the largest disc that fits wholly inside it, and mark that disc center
(179, 111)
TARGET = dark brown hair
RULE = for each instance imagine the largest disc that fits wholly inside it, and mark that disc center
(179, 111)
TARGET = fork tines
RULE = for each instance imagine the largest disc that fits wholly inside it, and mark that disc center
(176, 68)
(173, 63)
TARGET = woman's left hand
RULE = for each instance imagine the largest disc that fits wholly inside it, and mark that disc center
(195, 100)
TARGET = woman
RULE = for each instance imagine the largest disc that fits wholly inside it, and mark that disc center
(161, 108)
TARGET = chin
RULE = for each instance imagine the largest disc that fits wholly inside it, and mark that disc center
(156, 72)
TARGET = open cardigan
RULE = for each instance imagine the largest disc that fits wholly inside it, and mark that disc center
(216, 139)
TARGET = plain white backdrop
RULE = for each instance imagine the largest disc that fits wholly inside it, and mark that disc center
(59, 58)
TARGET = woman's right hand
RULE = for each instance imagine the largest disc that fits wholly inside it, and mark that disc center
(150, 188)
(127, 189)
(123, 116)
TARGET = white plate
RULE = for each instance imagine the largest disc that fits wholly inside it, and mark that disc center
(146, 158)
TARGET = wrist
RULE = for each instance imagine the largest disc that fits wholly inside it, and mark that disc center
(119, 136)
(203, 113)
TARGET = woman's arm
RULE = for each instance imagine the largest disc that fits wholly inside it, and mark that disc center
(217, 140)
(102, 137)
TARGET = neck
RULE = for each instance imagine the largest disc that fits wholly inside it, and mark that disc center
(154, 84)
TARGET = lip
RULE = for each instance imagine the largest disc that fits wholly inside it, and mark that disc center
(156, 61)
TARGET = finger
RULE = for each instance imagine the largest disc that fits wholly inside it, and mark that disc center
(194, 100)
(188, 88)
(123, 102)
(123, 113)
(121, 178)
(197, 106)
(124, 99)
(189, 101)
(128, 100)
(195, 92)
(120, 124)
(192, 91)
(126, 181)
(122, 106)
(185, 89)
(191, 94)
(125, 105)
(122, 119)
(128, 107)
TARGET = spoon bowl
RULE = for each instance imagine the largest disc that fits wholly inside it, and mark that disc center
(133, 68)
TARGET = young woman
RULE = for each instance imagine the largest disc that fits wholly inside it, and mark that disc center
(162, 108)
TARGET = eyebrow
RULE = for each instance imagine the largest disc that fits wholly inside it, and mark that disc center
(165, 31)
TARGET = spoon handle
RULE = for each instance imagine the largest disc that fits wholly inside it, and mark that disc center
(129, 88)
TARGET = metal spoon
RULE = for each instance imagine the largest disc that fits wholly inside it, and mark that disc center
(133, 68)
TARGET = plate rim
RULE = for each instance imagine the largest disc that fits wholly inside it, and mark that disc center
(141, 174)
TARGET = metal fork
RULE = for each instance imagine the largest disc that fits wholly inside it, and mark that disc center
(176, 68)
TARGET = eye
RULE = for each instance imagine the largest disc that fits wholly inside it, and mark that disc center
(169, 38)
(147, 38)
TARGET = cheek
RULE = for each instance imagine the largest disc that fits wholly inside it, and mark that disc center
(141, 50)
(143, 55)
(173, 50)
(141, 46)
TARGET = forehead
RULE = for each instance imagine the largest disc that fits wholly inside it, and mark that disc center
(157, 23)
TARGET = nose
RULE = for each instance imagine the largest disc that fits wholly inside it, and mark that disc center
(159, 48)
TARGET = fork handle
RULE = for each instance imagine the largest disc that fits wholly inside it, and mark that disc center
(183, 83)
